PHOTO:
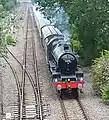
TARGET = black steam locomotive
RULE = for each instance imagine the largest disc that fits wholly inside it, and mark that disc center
(62, 63)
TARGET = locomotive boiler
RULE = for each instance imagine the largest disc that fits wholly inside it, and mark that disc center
(67, 77)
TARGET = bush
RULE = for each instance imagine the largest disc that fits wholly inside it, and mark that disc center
(100, 73)
(1, 8)
(105, 94)
(9, 5)
(75, 44)
(10, 40)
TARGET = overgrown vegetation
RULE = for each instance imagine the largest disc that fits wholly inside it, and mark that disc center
(89, 27)
(5, 6)
(89, 22)
(8, 4)
(100, 73)
(10, 40)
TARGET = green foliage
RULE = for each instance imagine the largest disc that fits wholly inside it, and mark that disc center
(4, 29)
(8, 4)
(1, 8)
(3, 14)
(10, 40)
(100, 73)
(88, 17)
(47, 3)
(89, 20)
(75, 44)
(2, 40)
(2, 11)
(105, 94)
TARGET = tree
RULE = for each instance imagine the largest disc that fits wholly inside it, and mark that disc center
(90, 17)
(89, 23)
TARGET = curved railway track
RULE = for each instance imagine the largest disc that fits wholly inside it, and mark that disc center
(34, 82)
(26, 103)
(18, 87)
(25, 100)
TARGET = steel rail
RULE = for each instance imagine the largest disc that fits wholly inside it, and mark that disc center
(63, 107)
(24, 70)
(86, 117)
(17, 83)
(24, 64)
(40, 114)
(27, 72)
(62, 103)
(30, 78)
(23, 74)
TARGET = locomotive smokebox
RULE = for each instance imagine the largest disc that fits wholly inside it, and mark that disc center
(65, 59)
(67, 63)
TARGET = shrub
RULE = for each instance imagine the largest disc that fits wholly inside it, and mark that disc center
(105, 94)
(1, 8)
(100, 73)
(10, 40)
(75, 44)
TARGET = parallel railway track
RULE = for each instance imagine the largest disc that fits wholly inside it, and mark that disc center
(21, 85)
(40, 109)
(76, 112)
(35, 87)
(23, 102)
(66, 114)
(34, 82)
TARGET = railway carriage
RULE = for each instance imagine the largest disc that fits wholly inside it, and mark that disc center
(67, 77)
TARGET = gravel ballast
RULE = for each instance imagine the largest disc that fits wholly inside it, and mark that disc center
(95, 109)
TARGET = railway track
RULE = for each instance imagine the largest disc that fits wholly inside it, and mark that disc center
(17, 92)
(39, 99)
(30, 99)
(73, 109)
(18, 97)
(33, 106)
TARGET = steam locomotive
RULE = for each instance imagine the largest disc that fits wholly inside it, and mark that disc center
(67, 77)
